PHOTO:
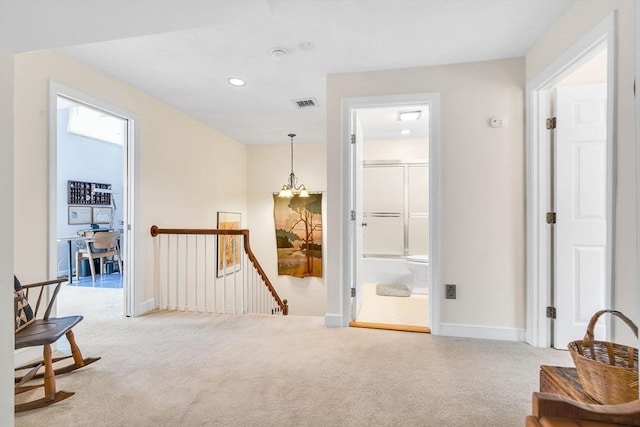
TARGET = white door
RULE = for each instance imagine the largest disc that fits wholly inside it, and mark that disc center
(581, 207)
(356, 208)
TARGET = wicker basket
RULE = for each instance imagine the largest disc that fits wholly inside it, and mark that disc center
(607, 371)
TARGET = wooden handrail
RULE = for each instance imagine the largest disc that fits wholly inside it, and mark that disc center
(155, 231)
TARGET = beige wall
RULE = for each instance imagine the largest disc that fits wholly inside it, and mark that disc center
(395, 149)
(268, 168)
(6, 236)
(186, 171)
(577, 22)
(482, 183)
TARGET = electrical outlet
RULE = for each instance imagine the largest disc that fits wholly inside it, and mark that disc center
(450, 291)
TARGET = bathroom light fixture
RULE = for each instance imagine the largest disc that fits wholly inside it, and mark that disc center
(409, 115)
(236, 81)
(292, 188)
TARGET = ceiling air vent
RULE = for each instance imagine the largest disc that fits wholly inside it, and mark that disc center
(305, 103)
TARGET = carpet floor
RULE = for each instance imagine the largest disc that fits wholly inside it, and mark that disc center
(190, 369)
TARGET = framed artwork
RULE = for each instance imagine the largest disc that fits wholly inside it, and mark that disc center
(79, 215)
(102, 215)
(298, 222)
(229, 248)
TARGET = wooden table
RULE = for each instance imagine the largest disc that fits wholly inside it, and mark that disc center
(564, 382)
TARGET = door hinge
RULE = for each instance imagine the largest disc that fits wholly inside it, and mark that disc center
(551, 217)
(551, 312)
(353, 292)
(551, 123)
(353, 138)
(353, 215)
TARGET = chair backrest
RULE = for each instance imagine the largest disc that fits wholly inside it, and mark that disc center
(105, 240)
(21, 309)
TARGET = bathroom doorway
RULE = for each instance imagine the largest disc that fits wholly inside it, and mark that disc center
(391, 221)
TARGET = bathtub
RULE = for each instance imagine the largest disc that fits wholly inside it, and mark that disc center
(385, 270)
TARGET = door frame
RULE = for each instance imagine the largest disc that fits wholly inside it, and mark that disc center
(538, 168)
(129, 167)
(637, 82)
(348, 106)
(355, 232)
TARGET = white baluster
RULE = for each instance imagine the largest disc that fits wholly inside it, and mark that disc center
(224, 278)
(195, 278)
(205, 257)
(215, 275)
(167, 297)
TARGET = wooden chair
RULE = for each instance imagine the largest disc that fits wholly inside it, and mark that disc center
(104, 244)
(32, 331)
(550, 410)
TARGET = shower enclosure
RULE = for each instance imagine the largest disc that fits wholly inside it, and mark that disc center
(395, 208)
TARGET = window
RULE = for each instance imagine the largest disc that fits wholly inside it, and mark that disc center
(96, 124)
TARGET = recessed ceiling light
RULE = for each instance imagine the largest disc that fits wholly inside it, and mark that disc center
(409, 115)
(279, 53)
(405, 131)
(237, 82)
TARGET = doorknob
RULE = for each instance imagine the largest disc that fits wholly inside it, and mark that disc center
(364, 224)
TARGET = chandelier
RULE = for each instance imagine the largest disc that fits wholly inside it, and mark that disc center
(292, 188)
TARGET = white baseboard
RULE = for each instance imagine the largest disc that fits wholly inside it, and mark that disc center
(146, 306)
(482, 332)
(333, 320)
(26, 355)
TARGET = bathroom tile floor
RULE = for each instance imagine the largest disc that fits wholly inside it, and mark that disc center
(412, 310)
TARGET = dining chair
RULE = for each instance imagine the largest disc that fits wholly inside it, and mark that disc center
(102, 245)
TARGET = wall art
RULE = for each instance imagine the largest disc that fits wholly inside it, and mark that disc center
(298, 224)
(79, 215)
(229, 247)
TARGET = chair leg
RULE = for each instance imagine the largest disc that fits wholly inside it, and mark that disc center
(75, 350)
(93, 269)
(50, 394)
(49, 375)
(77, 266)
(119, 263)
(76, 354)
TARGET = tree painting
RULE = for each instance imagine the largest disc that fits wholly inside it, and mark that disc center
(298, 223)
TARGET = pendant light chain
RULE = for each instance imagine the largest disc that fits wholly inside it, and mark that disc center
(291, 135)
(291, 188)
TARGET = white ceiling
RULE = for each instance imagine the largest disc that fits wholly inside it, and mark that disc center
(183, 51)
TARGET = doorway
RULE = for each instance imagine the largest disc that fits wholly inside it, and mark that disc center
(393, 211)
(570, 157)
(90, 169)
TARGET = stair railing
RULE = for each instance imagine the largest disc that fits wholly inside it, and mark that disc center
(211, 270)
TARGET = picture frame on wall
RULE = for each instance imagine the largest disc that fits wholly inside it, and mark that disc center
(79, 215)
(102, 215)
(228, 255)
